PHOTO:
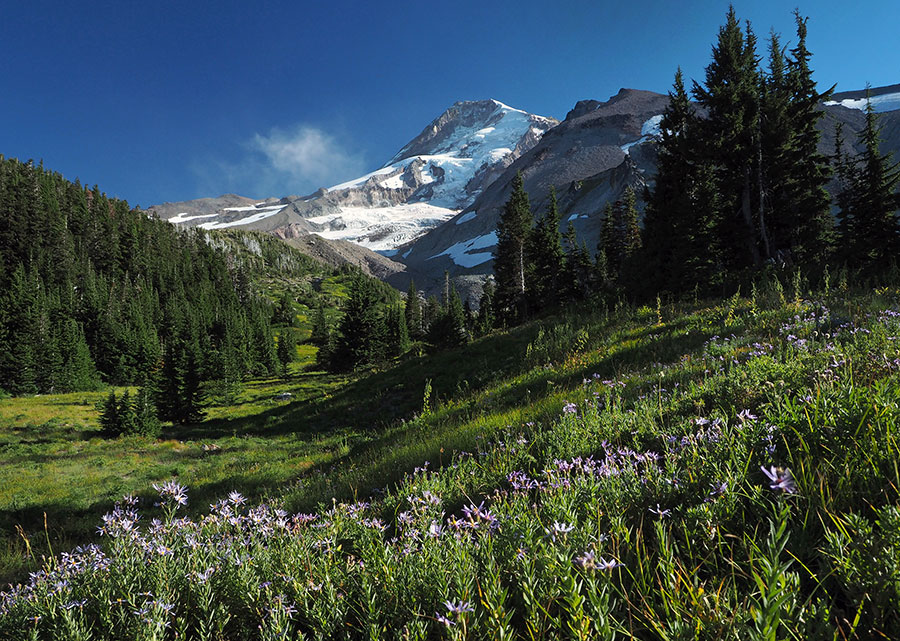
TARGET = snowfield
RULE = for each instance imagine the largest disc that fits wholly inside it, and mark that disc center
(431, 187)
(383, 228)
(882, 103)
(263, 213)
(459, 252)
(649, 131)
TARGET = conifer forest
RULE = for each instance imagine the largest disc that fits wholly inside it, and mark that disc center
(687, 429)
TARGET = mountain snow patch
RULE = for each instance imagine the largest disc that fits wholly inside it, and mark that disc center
(184, 217)
(649, 131)
(381, 228)
(459, 252)
(882, 103)
(265, 212)
(466, 217)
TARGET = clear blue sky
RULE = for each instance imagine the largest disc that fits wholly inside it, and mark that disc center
(163, 101)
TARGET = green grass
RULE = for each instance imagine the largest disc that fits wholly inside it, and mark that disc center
(518, 401)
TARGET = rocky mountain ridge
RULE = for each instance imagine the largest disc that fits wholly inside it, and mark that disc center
(428, 181)
(435, 205)
(590, 158)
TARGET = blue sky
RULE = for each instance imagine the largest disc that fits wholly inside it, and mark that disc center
(166, 101)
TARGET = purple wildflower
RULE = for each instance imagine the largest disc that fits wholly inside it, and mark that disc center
(172, 491)
(459, 607)
(781, 479)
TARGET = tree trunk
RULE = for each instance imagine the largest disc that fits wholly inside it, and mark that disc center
(763, 233)
(748, 218)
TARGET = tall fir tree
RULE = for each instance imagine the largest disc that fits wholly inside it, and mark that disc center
(545, 258)
(808, 208)
(397, 333)
(360, 336)
(681, 247)
(486, 320)
(321, 331)
(413, 312)
(509, 255)
(286, 350)
(730, 138)
(870, 226)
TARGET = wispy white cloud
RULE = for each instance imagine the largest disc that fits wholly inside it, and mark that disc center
(298, 161)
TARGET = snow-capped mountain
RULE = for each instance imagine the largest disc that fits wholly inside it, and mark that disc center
(436, 175)
(589, 158)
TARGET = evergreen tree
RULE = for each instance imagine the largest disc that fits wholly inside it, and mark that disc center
(286, 350)
(431, 312)
(449, 330)
(870, 227)
(545, 258)
(90, 289)
(397, 333)
(509, 255)
(413, 312)
(793, 173)
(179, 386)
(146, 420)
(680, 242)
(631, 230)
(127, 416)
(360, 338)
(77, 371)
(109, 416)
(321, 331)
(284, 310)
(485, 321)
(578, 267)
(730, 139)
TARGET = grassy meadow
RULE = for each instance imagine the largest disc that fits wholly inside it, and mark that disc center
(690, 471)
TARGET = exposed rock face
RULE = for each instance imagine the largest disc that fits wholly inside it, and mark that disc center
(590, 158)
(438, 173)
(598, 150)
(435, 205)
(339, 252)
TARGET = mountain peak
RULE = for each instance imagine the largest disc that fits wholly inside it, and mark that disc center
(470, 121)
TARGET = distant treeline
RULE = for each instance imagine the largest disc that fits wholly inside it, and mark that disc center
(94, 292)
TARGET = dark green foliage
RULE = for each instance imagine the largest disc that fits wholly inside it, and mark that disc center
(397, 339)
(450, 327)
(513, 230)
(745, 182)
(729, 139)
(806, 205)
(578, 269)
(286, 350)
(109, 416)
(123, 416)
(545, 259)
(413, 312)
(681, 248)
(485, 321)
(321, 330)
(91, 290)
(360, 339)
(869, 226)
(431, 311)
(283, 312)
(179, 384)
(146, 419)
(621, 233)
